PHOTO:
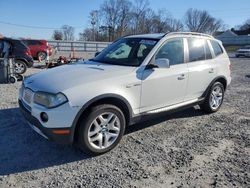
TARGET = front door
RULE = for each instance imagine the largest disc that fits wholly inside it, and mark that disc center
(162, 87)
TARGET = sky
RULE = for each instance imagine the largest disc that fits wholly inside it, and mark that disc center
(53, 14)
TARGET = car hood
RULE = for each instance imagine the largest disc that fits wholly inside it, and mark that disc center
(65, 77)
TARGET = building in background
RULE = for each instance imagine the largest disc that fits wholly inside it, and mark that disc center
(230, 38)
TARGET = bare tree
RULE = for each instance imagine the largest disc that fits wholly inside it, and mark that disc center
(121, 17)
(57, 35)
(124, 16)
(246, 25)
(110, 12)
(68, 32)
(86, 35)
(174, 25)
(140, 13)
(162, 22)
(201, 21)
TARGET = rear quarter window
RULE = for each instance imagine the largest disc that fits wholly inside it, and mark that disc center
(217, 48)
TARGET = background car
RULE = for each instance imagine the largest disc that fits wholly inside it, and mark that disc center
(243, 52)
(21, 54)
(39, 48)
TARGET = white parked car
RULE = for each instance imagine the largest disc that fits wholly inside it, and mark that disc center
(92, 102)
(243, 52)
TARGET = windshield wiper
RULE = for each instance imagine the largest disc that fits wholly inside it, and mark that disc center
(99, 61)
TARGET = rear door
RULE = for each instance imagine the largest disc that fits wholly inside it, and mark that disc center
(201, 66)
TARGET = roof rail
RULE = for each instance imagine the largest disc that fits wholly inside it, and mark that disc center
(189, 33)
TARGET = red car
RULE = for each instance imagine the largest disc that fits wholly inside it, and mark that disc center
(39, 48)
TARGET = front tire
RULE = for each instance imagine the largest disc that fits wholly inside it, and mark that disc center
(101, 130)
(20, 67)
(214, 99)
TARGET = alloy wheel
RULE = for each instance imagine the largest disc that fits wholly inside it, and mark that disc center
(104, 131)
(216, 97)
(19, 67)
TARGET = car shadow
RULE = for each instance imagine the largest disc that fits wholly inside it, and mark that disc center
(148, 121)
(24, 150)
(40, 66)
(21, 149)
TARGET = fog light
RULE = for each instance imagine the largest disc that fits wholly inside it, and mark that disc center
(44, 117)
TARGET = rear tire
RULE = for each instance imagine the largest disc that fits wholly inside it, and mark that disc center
(41, 56)
(214, 98)
(101, 130)
(20, 67)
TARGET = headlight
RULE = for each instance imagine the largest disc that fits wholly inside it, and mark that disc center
(50, 100)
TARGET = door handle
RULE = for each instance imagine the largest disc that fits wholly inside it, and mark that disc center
(181, 77)
(133, 85)
(211, 71)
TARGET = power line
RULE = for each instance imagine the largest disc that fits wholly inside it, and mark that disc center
(33, 27)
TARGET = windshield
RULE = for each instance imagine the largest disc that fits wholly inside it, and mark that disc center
(126, 52)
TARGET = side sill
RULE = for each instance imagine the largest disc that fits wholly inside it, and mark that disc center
(165, 110)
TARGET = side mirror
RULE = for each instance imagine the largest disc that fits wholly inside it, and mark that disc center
(162, 63)
(151, 66)
(97, 53)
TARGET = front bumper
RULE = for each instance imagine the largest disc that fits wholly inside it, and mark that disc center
(47, 132)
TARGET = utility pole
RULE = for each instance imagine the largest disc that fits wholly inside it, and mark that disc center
(93, 15)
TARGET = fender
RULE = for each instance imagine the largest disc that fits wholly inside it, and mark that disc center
(96, 99)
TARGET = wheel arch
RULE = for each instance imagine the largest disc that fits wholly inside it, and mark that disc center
(221, 79)
(112, 99)
(40, 52)
(22, 59)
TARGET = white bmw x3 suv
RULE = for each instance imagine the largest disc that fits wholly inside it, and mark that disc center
(92, 102)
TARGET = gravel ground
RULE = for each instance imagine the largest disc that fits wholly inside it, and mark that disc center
(185, 149)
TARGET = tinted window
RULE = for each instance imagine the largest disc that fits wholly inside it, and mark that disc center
(173, 51)
(196, 49)
(217, 48)
(31, 42)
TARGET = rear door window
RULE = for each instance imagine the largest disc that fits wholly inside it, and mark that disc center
(196, 48)
(217, 48)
